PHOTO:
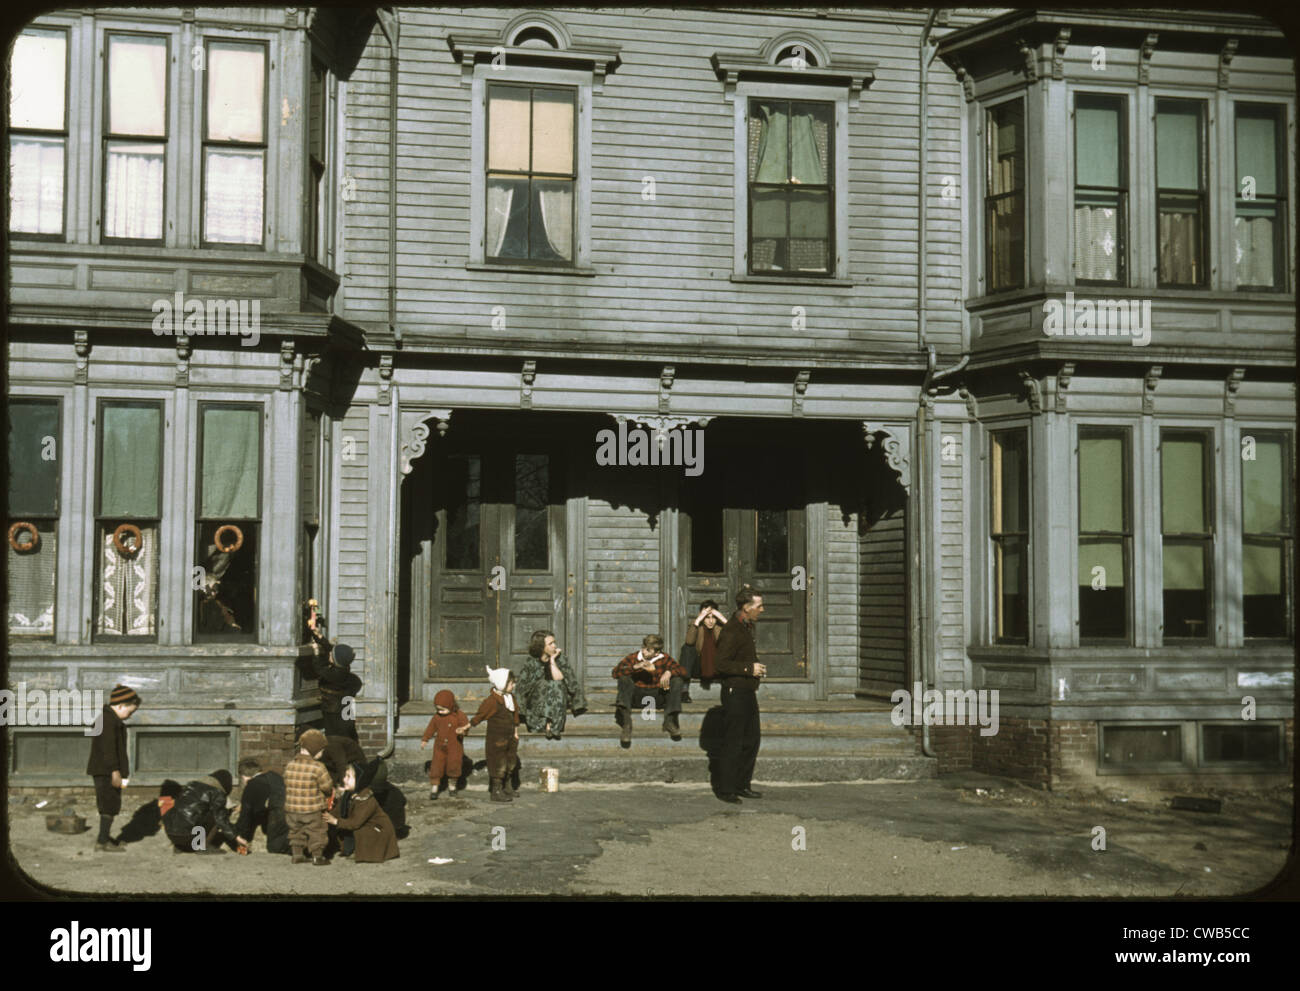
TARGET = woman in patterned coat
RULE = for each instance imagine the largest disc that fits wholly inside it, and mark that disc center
(548, 688)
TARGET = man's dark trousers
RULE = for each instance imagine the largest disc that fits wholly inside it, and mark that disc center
(630, 694)
(741, 736)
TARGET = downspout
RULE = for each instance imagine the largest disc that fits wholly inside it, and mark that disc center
(384, 15)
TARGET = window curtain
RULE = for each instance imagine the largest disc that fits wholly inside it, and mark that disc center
(1255, 239)
(31, 587)
(36, 190)
(126, 606)
(1096, 242)
(1180, 246)
(230, 460)
(500, 198)
(557, 216)
(803, 135)
(133, 191)
(232, 211)
(129, 461)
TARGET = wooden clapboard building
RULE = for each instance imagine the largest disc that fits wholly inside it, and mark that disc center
(825, 240)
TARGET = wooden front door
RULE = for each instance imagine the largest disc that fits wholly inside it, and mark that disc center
(739, 525)
(497, 559)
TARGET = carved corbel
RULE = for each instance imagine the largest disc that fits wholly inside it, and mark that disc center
(81, 344)
(385, 374)
(1231, 386)
(665, 387)
(800, 389)
(963, 77)
(526, 378)
(661, 425)
(972, 407)
(1033, 392)
(286, 364)
(183, 352)
(1058, 53)
(1030, 55)
(1062, 384)
(894, 442)
(1225, 62)
(1144, 58)
(1149, 388)
(415, 432)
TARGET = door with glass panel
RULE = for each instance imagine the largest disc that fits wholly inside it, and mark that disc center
(497, 560)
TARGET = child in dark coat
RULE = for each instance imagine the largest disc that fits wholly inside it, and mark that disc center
(500, 711)
(448, 754)
(376, 839)
(108, 766)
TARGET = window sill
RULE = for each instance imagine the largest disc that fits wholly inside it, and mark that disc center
(529, 269)
(792, 280)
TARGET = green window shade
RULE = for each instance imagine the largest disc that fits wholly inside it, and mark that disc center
(1108, 554)
(1182, 485)
(1184, 567)
(129, 461)
(1096, 145)
(33, 480)
(1263, 487)
(1261, 569)
(230, 463)
(1178, 145)
(1101, 484)
(1257, 151)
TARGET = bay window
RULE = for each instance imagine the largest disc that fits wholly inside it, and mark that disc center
(1259, 228)
(1100, 189)
(1267, 504)
(1187, 528)
(135, 137)
(38, 133)
(1180, 192)
(1105, 533)
(1004, 199)
(234, 143)
(1009, 530)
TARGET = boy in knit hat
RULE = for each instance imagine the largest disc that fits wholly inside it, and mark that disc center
(307, 785)
(108, 766)
(501, 713)
(448, 754)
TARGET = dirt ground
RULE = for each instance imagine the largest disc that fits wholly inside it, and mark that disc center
(966, 835)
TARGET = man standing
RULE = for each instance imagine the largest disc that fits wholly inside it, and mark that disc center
(739, 671)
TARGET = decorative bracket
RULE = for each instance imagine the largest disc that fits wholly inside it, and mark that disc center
(286, 364)
(1030, 55)
(81, 343)
(415, 432)
(800, 389)
(963, 77)
(1058, 53)
(526, 378)
(183, 352)
(1225, 62)
(665, 386)
(1230, 392)
(894, 440)
(972, 407)
(661, 425)
(1033, 392)
(1144, 58)
(1063, 383)
(1149, 391)
(385, 374)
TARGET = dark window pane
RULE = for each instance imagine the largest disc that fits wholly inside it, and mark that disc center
(1256, 744)
(1141, 744)
(316, 111)
(706, 540)
(464, 503)
(34, 446)
(1103, 598)
(1006, 232)
(532, 526)
(1264, 600)
(31, 581)
(129, 461)
(230, 463)
(128, 583)
(1006, 148)
(227, 606)
(1186, 595)
(1011, 488)
(772, 541)
(551, 227)
(1011, 579)
(1180, 230)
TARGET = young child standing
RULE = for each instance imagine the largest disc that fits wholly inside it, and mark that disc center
(501, 714)
(448, 754)
(307, 785)
(108, 766)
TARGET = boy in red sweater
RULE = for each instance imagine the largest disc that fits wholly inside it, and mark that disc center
(501, 713)
(448, 754)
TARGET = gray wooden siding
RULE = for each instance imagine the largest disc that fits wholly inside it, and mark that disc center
(623, 592)
(842, 603)
(882, 608)
(663, 267)
(353, 529)
(953, 531)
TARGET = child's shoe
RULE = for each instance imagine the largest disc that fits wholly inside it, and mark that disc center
(112, 846)
(320, 862)
(497, 792)
(298, 858)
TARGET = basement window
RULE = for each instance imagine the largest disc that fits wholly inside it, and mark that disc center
(1146, 746)
(1241, 744)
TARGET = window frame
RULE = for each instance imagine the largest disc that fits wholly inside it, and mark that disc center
(1201, 196)
(1126, 536)
(200, 520)
(107, 137)
(102, 403)
(1280, 200)
(1207, 539)
(1123, 192)
(63, 134)
(319, 227)
(1021, 191)
(204, 143)
(996, 537)
(52, 518)
(1286, 537)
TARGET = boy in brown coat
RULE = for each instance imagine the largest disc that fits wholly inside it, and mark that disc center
(376, 839)
(448, 754)
(501, 713)
(307, 785)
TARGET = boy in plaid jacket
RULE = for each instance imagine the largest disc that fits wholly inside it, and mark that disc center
(307, 786)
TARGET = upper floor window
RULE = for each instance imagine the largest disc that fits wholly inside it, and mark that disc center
(34, 443)
(1187, 528)
(1267, 535)
(791, 187)
(1259, 228)
(1100, 189)
(1009, 530)
(1004, 198)
(234, 143)
(135, 137)
(531, 174)
(321, 139)
(1180, 192)
(38, 132)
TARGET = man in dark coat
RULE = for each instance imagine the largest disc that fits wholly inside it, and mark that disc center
(737, 668)
(262, 804)
(108, 765)
(202, 806)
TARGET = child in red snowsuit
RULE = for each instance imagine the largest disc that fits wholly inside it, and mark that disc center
(448, 753)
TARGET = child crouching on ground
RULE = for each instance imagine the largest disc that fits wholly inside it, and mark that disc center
(376, 839)
(307, 785)
(448, 754)
(501, 713)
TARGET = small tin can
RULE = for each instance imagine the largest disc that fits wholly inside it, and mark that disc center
(550, 779)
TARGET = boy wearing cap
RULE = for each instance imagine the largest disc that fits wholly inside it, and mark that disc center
(448, 754)
(501, 714)
(307, 785)
(108, 766)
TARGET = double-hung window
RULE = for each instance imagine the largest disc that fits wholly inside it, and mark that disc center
(135, 138)
(1004, 198)
(531, 174)
(1187, 529)
(234, 143)
(1259, 229)
(1009, 531)
(791, 187)
(1267, 526)
(1105, 533)
(1180, 192)
(34, 444)
(1100, 189)
(38, 132)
